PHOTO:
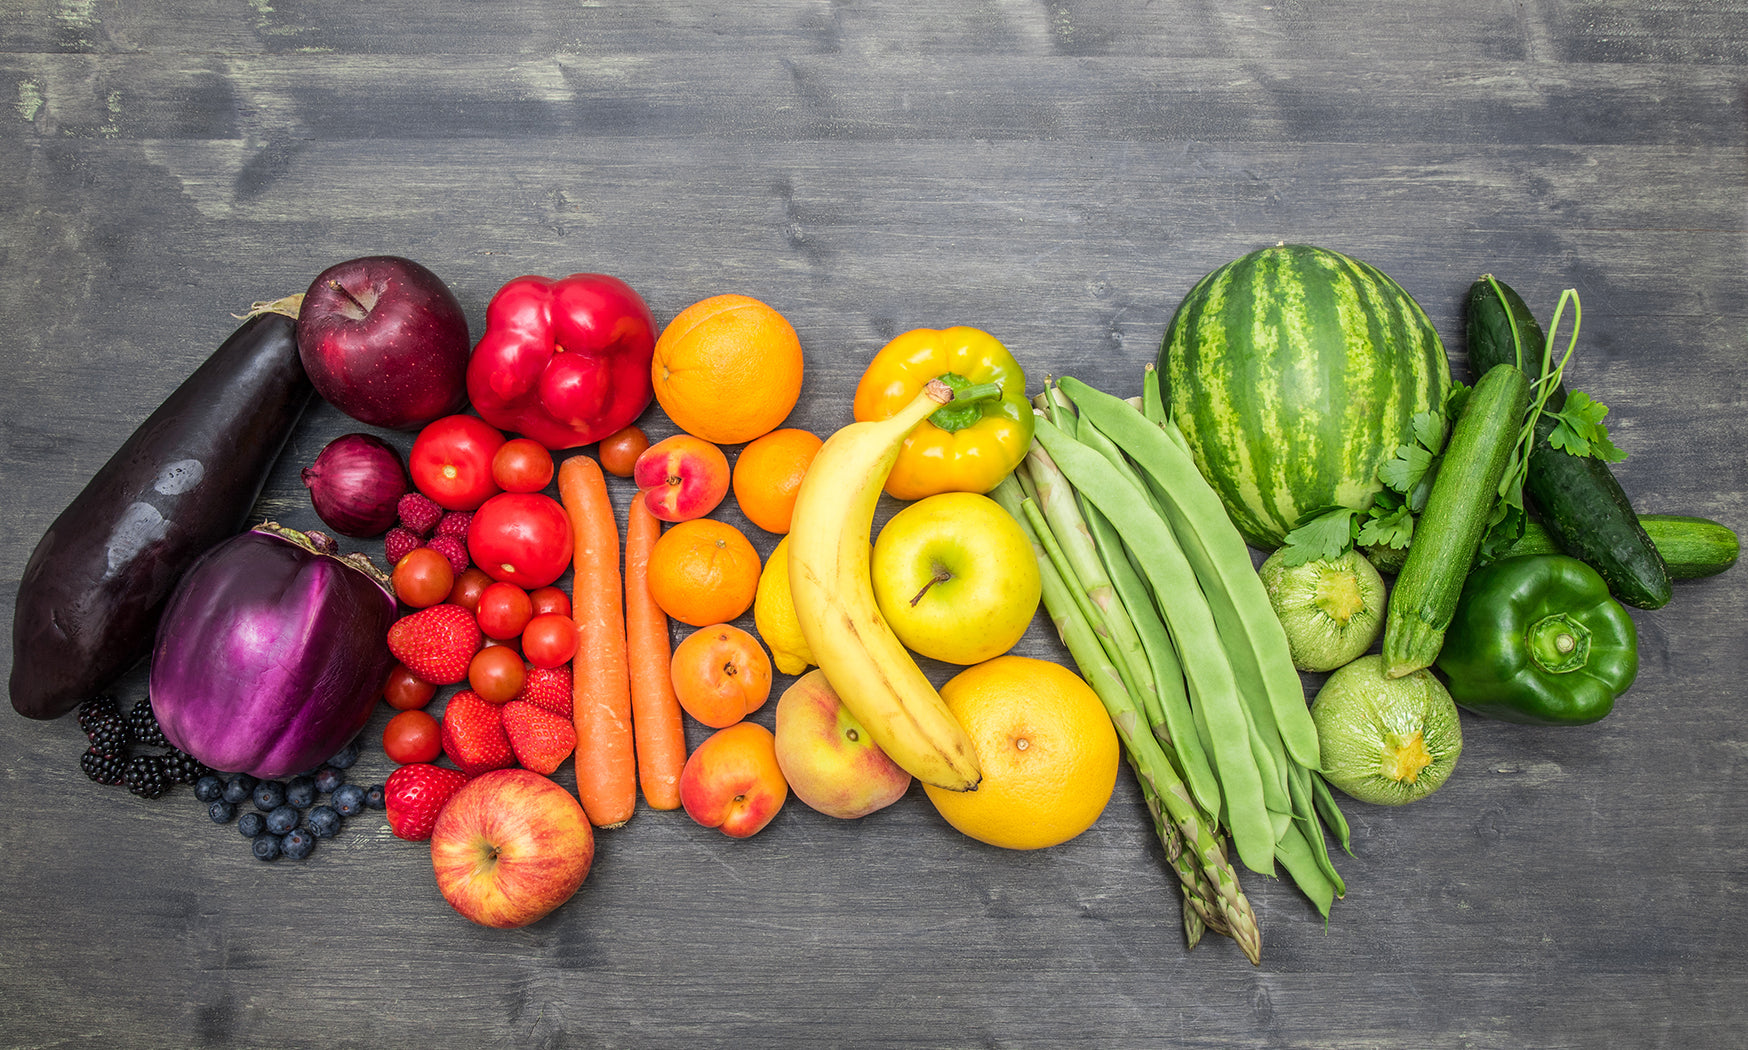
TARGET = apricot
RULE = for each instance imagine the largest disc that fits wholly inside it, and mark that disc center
(732, 781)
(721, 674)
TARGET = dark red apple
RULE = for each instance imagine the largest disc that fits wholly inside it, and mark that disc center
(385, 341)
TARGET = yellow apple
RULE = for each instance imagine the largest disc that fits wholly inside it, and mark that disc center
(955, 577)
(830, 761)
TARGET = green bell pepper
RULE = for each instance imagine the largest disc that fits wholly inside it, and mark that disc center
(1537, 639)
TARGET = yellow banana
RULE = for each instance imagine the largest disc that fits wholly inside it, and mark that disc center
(834, 601)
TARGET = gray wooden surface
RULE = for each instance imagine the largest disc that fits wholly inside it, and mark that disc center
(1056, 173)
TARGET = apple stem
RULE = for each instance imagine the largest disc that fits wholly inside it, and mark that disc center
(941, 576)
(338, 287)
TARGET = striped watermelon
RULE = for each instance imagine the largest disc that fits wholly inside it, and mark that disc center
(1293, 373)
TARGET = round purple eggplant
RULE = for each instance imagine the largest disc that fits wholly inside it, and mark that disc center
(271, 654)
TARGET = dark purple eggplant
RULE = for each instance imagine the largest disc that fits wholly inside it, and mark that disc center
(187, 479)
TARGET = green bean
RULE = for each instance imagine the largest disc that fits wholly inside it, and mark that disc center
(1324, 800)
(1296, 856)
(1255, 640)
(1305, 813)
(1206, 667)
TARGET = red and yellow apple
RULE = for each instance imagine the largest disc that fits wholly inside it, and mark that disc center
(732, 782)
(509, 847)
(681, 477)
(955, 577)
(830, 761)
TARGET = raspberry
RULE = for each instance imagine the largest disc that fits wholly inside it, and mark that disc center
(455, 524)
(399, 543)
(453, 549)
(419, 513)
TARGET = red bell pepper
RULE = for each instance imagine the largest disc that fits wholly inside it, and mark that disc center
(565, 362)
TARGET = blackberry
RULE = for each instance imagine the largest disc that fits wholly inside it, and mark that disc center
(97, 707)
(269, 795)
(146, 777)
(183, 767)
(297, 844)
(210, 787)
(282, 820)
(105, 769)
(109, 736)
(142, 724)
(239, 788)
(327, 779)
(266, 847)
(376, 797)
(251, 824)
(222, 812)
(343, 758)
(300, 791)
(348, 800)
(323, 821)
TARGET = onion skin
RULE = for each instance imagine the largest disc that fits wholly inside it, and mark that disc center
(354, 484)
(270, 656)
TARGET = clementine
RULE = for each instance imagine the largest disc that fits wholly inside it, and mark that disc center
(703, 571)
(768, 474)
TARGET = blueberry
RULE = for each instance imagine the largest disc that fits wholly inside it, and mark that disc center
(323, 821)
(251, 824)
(348, 800)
(301, 792)
(209, 788)
(266, 847)
(221, 812)
(344, 757)
(297, 843)
(239, 788)
(376, 797)
(282, 819)
(269, 795)
(328, 778)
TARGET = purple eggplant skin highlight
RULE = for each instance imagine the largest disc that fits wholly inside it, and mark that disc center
(187, 479)
(270, 656)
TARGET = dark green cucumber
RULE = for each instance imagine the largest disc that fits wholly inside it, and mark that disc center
(1691, 547)
(1580, 501)
(1449, 531)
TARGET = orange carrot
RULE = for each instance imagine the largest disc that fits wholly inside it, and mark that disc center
(656, 724)
(601, 685)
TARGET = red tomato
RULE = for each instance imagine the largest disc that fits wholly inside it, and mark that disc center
(550, 600)
(412, 736)
(468, 587)
(522, 465)
(496, 673)
(406, 691)
(549, 640)
(619, 451)
(504, 609)
(451, 461)
(423, 577)
(522, 538)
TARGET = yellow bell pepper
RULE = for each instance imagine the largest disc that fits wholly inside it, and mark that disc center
(963, 447)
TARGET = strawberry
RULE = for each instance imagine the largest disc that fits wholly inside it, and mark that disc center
(436, 643)
(415, 794)
(548, 687)
(473, 734)
(541, 739)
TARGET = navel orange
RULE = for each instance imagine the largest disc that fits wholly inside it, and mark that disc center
(727, 369)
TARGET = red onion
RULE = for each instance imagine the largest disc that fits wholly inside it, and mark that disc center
(354, 484)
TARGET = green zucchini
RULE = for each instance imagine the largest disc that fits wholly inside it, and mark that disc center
(1450, 528)
(1691, 547)
(1580, 501)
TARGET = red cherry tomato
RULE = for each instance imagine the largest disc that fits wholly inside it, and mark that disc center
(496, 673)
(406, 691)
(468, 587)
(550, 600)
(504, 609)
(522, 538)
(422, 577)
(549, 640)
(412, 736)
(451, 461)
(522, 465)
(619, 451)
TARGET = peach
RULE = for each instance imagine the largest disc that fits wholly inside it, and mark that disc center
(681, 477)
(829, 760)
(721, 674)
(732, 781)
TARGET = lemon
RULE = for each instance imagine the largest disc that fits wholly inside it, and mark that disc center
(774, 615)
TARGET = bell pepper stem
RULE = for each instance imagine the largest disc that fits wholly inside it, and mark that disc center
(962, 411)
